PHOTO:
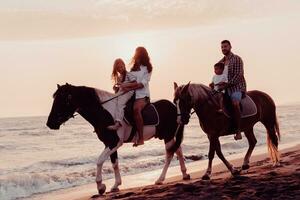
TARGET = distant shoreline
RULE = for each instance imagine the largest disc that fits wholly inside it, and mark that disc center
(37, 116)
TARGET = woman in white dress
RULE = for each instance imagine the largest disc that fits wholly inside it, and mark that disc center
(120, 77)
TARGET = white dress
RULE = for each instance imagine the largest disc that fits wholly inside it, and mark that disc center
(123, 99)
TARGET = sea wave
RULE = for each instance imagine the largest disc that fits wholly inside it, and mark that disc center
(47, 160)
(25, 185)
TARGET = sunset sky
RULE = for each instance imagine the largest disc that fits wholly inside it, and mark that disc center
(43, 43)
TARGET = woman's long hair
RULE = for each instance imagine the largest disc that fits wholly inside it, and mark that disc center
(141, 57)
(114, 74)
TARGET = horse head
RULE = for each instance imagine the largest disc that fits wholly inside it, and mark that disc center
(63, 107)
(183, 101)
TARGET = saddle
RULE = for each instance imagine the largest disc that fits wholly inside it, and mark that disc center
(149, 113)
(247, 105)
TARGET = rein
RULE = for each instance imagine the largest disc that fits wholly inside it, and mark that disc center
(108, 100)
(191, 113)
(210, 97)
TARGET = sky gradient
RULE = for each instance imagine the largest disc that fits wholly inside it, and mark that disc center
(47, 42)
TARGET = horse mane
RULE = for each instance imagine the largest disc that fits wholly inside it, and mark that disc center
(104, 95)
(199, 92)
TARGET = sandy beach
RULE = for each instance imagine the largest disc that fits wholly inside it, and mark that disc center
(261, 181)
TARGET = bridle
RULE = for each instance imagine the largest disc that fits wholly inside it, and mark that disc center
(190, 113)
(194, 111)
(60, 116)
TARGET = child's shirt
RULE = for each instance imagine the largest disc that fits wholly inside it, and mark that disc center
(218, 79)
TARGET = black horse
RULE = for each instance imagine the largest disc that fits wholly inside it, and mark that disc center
(86, 101)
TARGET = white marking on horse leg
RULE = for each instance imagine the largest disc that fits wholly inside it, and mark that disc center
(102, 158)
(118, 180)
(182, 164)
(168, 160)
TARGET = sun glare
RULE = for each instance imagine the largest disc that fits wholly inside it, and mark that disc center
(125, 45)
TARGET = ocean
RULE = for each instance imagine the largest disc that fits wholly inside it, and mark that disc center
(36, 160)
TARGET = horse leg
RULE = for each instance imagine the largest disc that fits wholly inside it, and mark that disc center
(168, 159)
(252, 142)
(211, 155)
(102, 158)
(182, 164)
(115, 165)
(221, 156)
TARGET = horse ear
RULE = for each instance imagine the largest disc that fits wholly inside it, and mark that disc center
(58, 86)
(175, 85)
(67, 83)
(186, 87)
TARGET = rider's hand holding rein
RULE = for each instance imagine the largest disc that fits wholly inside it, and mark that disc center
(223, 85)
(131, 86)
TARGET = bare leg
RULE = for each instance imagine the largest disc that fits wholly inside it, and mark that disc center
(252, 142)
(139, 105)
(179, 154)
(168, 160)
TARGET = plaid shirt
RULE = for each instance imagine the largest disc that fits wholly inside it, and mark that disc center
(236, 77)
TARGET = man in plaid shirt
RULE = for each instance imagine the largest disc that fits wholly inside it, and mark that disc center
(236, 86)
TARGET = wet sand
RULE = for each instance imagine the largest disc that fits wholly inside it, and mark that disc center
(261, 181)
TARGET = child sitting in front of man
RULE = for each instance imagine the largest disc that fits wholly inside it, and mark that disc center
(218, 79)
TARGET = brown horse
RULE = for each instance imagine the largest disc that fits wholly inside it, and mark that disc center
(200, 98)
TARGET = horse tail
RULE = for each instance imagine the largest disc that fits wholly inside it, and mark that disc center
(178, 139)
(277, 128)
(272, 141)
(269, 119)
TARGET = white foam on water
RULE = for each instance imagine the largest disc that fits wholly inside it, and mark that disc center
(36, 160)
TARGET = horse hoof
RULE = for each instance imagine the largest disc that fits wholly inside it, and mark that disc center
(236, 172)
(114, 190)
(187, 177)
(205, 177)
(102, 189)
(245, 167)
(95, 196)
(158, 183)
